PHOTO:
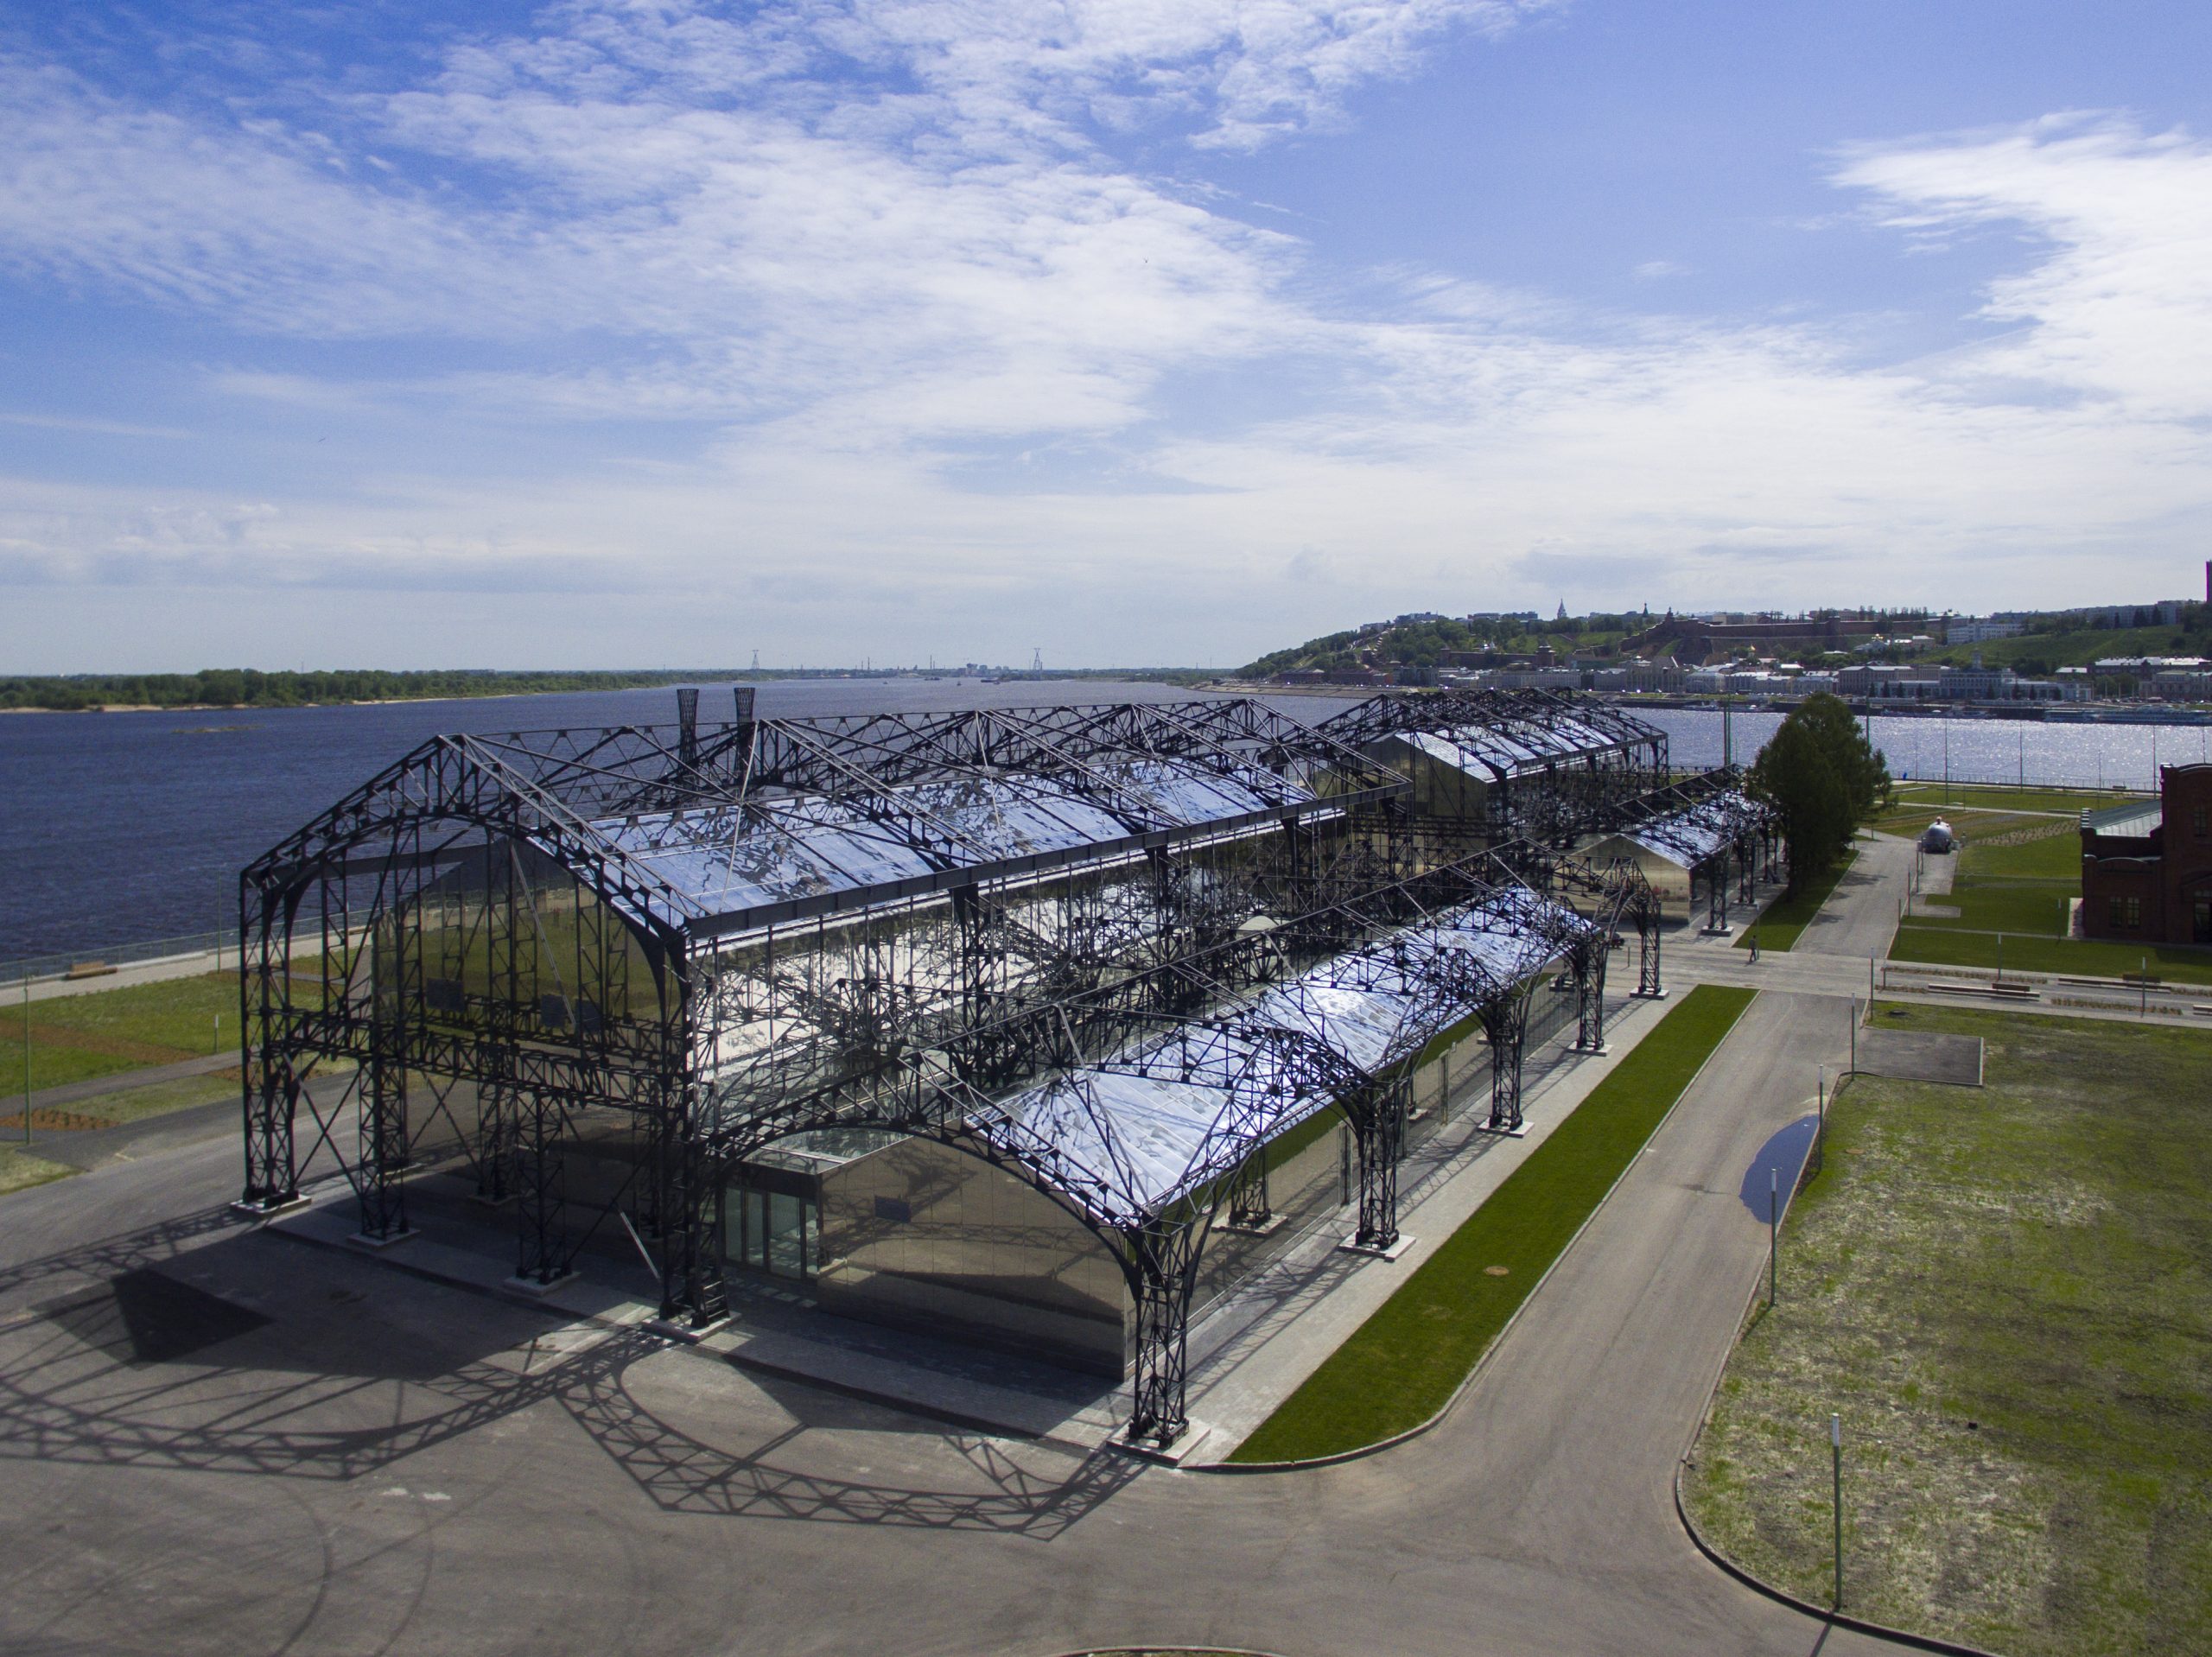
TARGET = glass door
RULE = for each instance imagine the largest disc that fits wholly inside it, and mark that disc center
(773, 1232)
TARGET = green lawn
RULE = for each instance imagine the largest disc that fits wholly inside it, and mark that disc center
(2021, 890)
(1404, 1364)
(135, 1104)
(20, 1169)
(2006, 1292)
(105, 1032)
(2070, 800)
(74, 1038)
(2032, 908)
(2089, 958)
(1784, 920)
(2051, 857)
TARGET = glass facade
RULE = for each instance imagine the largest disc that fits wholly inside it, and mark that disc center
(921, 1235)
(917, 1235)
(778, 1233)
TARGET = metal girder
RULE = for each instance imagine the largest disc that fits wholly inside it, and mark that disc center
(1150, 956)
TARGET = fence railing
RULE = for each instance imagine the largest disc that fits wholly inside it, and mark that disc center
(75, 961)
(218, 950)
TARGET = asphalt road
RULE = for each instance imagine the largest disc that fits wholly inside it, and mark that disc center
(389, 1465)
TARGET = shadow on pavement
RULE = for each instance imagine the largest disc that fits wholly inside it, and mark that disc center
(130, 1366)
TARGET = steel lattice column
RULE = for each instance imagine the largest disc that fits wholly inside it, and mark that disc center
(271, 1101)
(1590, 995)
(495, 1140)
(1505, 1021)
(1646, 953)
(1162, 1260)
(1249, 1204)
(1379, 1132)
(269, 1089)
(383, 1156)
(691, 1287)
(543, 1126)
(1716, 892)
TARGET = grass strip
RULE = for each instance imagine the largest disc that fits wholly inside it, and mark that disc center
(1970, 796)
(1404, 1364)
(2086, 957)
(2003, 1291)
(103, 1032)
(1782, 921)
(2026, 909)
(20, 1169)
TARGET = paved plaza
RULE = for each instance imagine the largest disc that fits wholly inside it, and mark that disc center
(321, 1450)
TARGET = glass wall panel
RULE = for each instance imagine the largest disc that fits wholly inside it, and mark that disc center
(786, 1251)
(920, 1235)
(775, 1232)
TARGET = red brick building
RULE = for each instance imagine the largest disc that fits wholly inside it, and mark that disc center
(2146, 867)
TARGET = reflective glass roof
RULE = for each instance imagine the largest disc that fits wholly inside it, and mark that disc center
(1487, 752)
(1688, 837)
(730, 858)
(1147, 1136)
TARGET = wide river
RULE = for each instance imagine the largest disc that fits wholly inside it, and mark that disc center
(120, 828)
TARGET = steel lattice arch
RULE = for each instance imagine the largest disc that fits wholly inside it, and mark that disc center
(1122, 953)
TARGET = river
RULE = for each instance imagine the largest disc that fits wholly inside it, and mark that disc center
(120, 828)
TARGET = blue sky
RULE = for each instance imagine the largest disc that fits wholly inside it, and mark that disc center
(1137, 332)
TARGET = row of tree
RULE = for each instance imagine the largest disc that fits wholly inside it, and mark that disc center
(251, 687)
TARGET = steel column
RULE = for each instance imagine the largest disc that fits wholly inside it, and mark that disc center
(1506, 1023)
(1161, 1261)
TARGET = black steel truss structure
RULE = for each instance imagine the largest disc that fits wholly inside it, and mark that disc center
(598, 970)
(1549, 767)
(1712, 827)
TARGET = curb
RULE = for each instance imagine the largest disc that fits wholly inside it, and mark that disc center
(1498, 1341)
(1833, 1618)
(1193, 1651)
(1828, 1616)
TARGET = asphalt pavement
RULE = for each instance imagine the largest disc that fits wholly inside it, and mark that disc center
(326, 1455)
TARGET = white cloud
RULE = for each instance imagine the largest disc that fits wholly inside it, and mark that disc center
(853, 247)
(2116, 306)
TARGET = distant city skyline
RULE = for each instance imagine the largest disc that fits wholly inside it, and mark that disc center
(596, 335)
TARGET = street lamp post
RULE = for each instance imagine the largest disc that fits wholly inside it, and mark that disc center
(1835, 1445)
(1773, 1229)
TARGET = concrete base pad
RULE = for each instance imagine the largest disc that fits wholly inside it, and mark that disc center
(268, 1210)
(531, 1286)
(668, 1329)
(1520, 1132)
(362, 1240)
(1919, 1056)
(1655, 995)
(1259, 1230)
(1351, 1246)
(1170, 1455)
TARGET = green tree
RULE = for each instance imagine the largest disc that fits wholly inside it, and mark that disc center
(1824, 777)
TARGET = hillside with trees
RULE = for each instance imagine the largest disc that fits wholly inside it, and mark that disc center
(1421, 641)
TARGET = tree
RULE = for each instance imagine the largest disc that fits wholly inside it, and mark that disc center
(1824, 777)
